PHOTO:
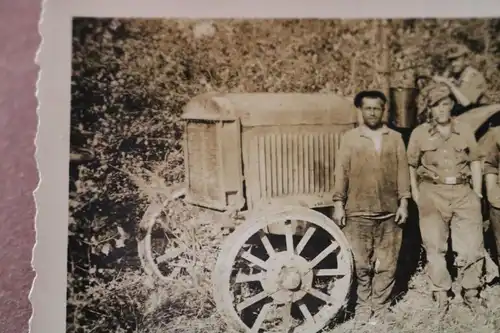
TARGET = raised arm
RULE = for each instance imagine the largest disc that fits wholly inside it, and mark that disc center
(472, 88)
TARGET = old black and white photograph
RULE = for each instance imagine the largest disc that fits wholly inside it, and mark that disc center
(284, 175)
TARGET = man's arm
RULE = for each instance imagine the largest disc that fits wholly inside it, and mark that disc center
(475, 156)
(459, 95)
(413, 156)
(491, 152)
(403, 181)
(477, 177)
(403, 171)
(341, 172)
(341, 180)
(414, 184)
(473, 87)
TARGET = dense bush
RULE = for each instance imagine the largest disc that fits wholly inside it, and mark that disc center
(130, 80)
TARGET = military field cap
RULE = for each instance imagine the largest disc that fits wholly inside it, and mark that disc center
(437, 93)
(370, 94)
(456, 50)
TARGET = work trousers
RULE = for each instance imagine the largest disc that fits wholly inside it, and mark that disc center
(375, 244)
(455, 208)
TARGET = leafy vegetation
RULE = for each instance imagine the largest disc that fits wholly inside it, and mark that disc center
(130, 80)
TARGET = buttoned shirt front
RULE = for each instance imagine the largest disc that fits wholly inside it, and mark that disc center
(368, 180)
(440, 158)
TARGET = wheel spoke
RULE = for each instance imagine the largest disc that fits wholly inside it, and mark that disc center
(267, 244)
(330, 272)
(305, 312)
(251, 300)
(242, 278)
(162, 259)
(332, 247)
(321, 295)
(287, 316)
(303, 242)
(254, 260)
(169, 254)
(289, 237)
(260, 318)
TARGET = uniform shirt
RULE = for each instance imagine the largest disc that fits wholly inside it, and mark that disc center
(490, 145)
(437, 157)
(472, 84)
(368, 181)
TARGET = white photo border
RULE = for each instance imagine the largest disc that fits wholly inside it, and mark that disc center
(48, 294)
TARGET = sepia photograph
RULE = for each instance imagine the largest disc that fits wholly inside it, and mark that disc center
(230, 173)
(285, 175)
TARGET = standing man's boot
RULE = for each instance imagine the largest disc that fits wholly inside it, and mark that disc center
(473, 301)
(442, 302)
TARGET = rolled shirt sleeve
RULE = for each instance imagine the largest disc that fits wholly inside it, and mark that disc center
(341, 171)
(413, 151)
(490, 150)
(473, 85)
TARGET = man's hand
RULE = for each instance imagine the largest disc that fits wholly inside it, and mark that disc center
(401, 215)
(402, 212)
(339, 215)
(441, 79)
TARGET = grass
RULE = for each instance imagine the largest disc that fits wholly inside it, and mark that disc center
(131, 79)
(184, 304)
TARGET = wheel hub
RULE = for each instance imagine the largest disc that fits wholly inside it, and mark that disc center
(291, 278)
(287, 277)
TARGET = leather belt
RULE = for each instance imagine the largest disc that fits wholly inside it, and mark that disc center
(446, 180)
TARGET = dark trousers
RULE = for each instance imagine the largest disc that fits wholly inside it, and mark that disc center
(375, 244)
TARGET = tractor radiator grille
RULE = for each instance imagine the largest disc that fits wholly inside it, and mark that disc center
(203, 162)
(290, 163)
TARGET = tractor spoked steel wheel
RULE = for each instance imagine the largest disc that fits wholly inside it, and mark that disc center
(160, 253)
(286, 283)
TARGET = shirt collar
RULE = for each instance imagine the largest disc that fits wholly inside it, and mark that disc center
(365, 131)
(433, 129)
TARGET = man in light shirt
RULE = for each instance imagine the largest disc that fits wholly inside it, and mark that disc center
(371, 197)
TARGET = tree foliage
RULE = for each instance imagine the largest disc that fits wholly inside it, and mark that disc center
(132, 77)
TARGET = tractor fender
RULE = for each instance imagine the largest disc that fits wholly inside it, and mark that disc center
(477, 117)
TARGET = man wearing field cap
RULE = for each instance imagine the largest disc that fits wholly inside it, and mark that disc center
(446, 183)
(371, 192)
(466, 83)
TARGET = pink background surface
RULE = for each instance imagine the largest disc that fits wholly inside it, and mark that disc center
(19, 41)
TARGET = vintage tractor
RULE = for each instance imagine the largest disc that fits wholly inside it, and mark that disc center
(268, 159)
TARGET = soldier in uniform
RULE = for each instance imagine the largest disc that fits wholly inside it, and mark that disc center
(445, 161)
(371, 194)
(466, 83)
(491, 147)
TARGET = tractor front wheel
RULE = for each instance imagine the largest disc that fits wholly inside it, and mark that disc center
(264, 282)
